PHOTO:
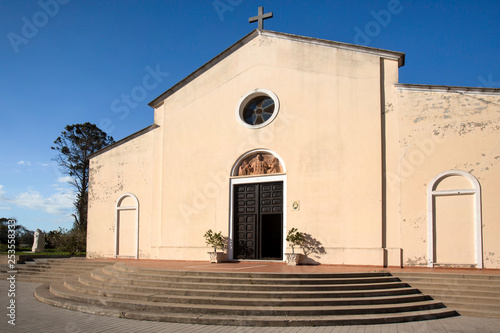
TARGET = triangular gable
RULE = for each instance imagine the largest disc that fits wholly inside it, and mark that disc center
(398, 56)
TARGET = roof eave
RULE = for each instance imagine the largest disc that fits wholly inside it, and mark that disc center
(449, 89)
(394, 55)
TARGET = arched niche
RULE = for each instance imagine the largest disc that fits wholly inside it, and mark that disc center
(454, 185)
(258, 162)
(127, 203)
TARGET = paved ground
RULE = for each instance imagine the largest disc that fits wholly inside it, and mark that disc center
(33, 316)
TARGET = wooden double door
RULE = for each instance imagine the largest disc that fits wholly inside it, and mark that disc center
(258, 221)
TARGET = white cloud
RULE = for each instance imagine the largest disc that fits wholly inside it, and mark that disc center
(3, 199)
(64, 179)
(27, 163)
(60, 203)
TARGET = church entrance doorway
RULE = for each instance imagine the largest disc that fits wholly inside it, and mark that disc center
(258, 220)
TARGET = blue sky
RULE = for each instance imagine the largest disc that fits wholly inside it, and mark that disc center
(72, 61)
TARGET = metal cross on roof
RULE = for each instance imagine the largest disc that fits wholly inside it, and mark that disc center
(260, 18)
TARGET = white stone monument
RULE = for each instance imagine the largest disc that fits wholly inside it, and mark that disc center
(38, 241)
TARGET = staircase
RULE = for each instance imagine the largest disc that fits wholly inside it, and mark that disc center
(243, 299)
(47, 270)
(474, 295)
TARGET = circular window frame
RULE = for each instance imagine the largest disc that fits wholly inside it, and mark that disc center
(247, 98)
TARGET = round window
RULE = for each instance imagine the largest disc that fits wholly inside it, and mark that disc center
(257, 108)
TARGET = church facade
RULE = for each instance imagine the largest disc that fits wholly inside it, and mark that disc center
(282, 131)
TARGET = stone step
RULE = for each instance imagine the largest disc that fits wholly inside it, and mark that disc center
(453, 282)
(38, 270)
(459, 292)
(52, 265)
(72, 261)
(450, 286)
(43, 294)
(472, 297)
(293, 280)
(61, 263)
(60, 266)
(39, 278)
(478, 305)
(87, 280)
(478, 313)
(58, 289)
(448, 276)
(47, 273)
(103, 277)
(49, 269)
(44, 270)
(120, 267)
(257, 299)
(156, 296)
(469, 294)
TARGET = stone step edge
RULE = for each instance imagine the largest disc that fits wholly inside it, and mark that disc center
(41, 270)
(478, 313)
(472, 297)
(252, 278)
(48, 274)
(108, 278)
(74, 285)
(64, 263)
(86, 279)
(68, 260)
(59, 290)
(72, 258)
(493, 277)
(489, 283)
(41, 281)
(76, 271)
(471, 306)
(47, 266)
(446, 283)
(43, 294)
(43, 276)
(119, 266)
(472, 294)
(110, 272)
(448, 286)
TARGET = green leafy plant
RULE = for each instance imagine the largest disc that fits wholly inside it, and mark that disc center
(215, 239)
(295, 238)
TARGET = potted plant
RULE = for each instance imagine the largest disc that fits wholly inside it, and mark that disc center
(294, 238)
(217, 241)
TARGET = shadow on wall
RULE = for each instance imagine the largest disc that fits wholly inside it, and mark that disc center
(313, 249)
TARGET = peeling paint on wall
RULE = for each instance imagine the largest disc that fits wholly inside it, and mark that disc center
(415, 261)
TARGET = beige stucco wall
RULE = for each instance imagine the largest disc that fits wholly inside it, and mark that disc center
(127, 168)
(441, 131)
